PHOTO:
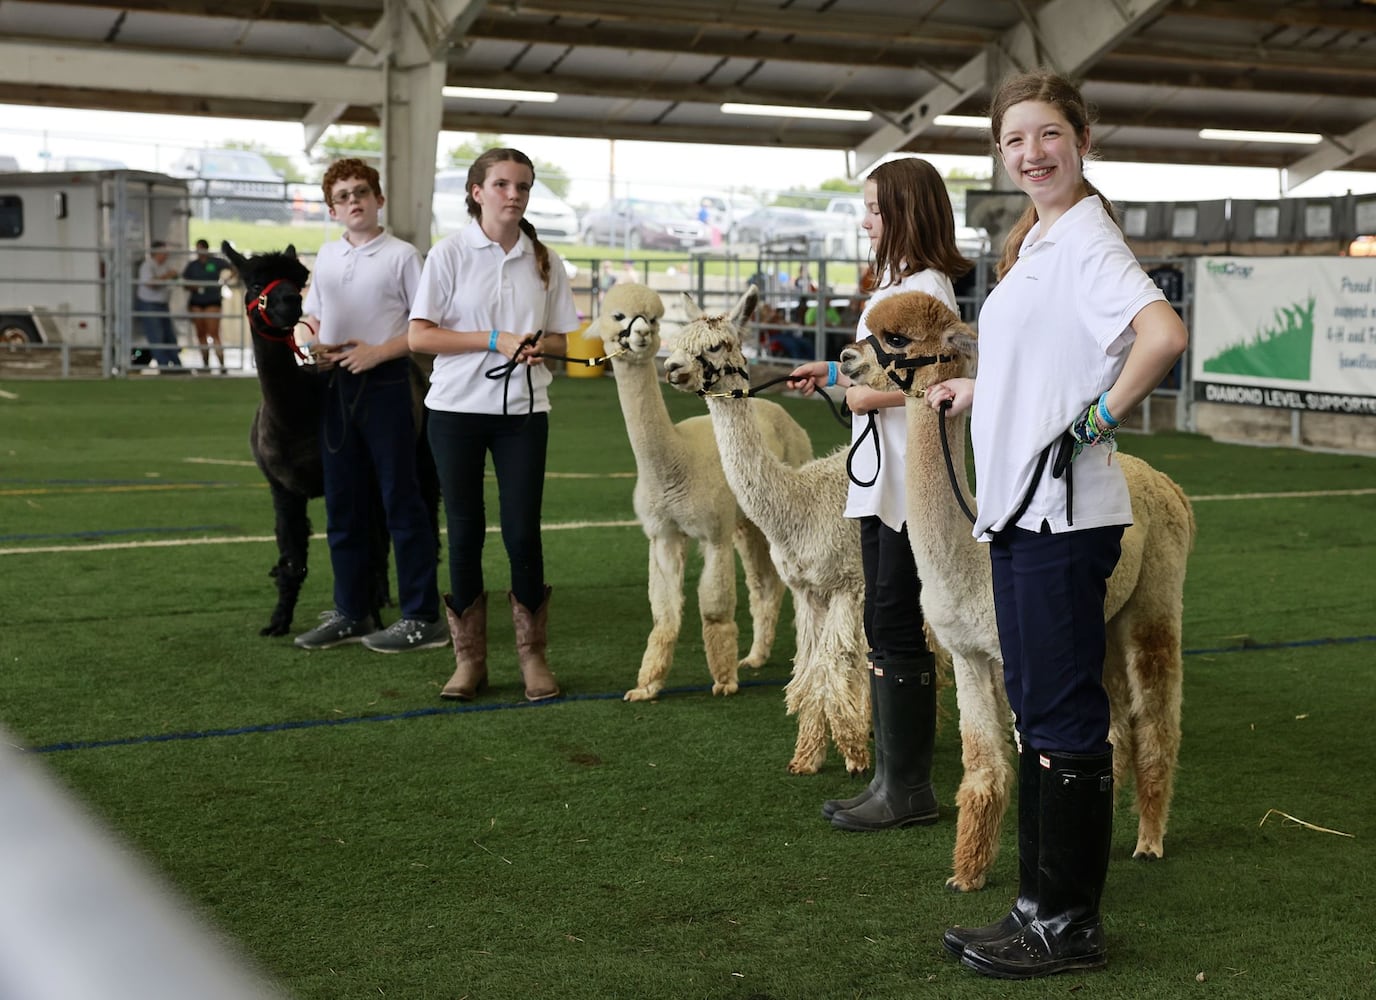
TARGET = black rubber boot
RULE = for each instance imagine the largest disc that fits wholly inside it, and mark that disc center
(905, 707)
(832, 806)
(1076, 828)
(1029, 839)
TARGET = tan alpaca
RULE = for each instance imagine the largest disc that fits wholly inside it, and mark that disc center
(681, 494)
(1143, 670)
(816, 549)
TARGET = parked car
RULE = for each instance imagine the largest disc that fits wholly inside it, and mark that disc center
(783, 229)
(634, 223)
(70, 164)
(553, 218)
(233, 184)
(724, 209)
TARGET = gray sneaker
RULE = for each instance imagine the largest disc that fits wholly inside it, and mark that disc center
(333, 630)
(408, 633)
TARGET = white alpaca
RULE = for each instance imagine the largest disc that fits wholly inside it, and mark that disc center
(681, 494)
(1143, 607)
(815, 548)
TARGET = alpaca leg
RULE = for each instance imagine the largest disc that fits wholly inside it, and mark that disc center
(984, 789)
(1120, 725)
(803, 693)
(1155, 673)
(666, 608)
(846, 683)
(293, 530)
(717, 604)
(766, 592)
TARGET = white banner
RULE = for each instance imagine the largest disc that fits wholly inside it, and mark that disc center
(1296, 333)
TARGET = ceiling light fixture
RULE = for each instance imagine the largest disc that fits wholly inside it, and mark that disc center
(495, 94)
(1236, 135)
(962, 121)
(783, 111)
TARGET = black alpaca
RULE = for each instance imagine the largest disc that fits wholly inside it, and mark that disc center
(285, 435)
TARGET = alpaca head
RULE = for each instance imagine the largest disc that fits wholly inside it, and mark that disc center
(629, 323)
(916, 341)
(707, 355)
(272, 285)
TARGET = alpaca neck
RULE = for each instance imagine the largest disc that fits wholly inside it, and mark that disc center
(761, 482)
(652, 434)
(279, 376)
(937, 526)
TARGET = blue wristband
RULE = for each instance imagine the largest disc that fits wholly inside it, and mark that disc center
(1103, 413)
(492, 340)
(831, 373)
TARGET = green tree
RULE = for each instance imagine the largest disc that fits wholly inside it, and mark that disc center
(840, 184)
(365, 143)
(552, 175)
(282, 163)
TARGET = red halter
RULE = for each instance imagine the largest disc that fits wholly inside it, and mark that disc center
(257, 309)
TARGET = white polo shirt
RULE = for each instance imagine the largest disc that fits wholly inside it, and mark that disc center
(470, 283)
(363, 293)
(1053, 335)
(887, 498)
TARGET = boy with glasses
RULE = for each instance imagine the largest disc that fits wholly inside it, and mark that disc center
(356, 310)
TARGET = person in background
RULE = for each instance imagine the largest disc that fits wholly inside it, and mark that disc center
(911, 228)
(204, 274)
(356, 312)
(1073, 336)
(152, 300)
(491, 295)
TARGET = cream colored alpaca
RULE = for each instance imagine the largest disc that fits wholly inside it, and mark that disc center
(681, 494)
(815, 548)
(1143, 607)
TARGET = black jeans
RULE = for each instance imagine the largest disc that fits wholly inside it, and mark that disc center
(893, 593)
(460, 443)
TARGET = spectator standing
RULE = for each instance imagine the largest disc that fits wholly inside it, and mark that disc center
(152, 300)
(356, 308)
(493, 293)
(204, 274)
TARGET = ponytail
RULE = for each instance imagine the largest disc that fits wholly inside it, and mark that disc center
(1020, 229)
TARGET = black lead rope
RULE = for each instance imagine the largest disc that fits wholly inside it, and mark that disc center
(871, 430)
(504, 370)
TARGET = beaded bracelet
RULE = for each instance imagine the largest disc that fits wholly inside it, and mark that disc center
(831, 373)
(492, 340)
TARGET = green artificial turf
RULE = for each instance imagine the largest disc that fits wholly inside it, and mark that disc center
(358, 837)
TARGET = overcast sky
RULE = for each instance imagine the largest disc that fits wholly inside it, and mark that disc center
(673, 170)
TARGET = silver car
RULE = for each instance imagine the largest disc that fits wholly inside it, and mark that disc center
(552, 217)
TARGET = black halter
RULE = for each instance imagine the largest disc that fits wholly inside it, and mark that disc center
(900, 369)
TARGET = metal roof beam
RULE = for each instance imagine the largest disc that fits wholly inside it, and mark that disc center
(1068, 34)
(100, 67)
(1334, 154)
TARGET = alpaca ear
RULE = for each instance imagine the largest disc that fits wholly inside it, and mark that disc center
(690, 308)
(745, 307)
(235, 258)
(961, 339)
(290, 251)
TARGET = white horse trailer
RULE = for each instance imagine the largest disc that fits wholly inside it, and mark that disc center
(70, 248)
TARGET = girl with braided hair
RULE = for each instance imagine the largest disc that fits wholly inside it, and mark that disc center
(486, 293)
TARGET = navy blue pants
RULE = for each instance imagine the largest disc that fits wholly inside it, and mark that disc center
(367, 434)
(460, 443)
(1049, 601)
(157, 329)
(893, 609)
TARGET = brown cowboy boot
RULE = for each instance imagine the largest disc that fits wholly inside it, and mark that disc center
(530, 648)
(469, 632)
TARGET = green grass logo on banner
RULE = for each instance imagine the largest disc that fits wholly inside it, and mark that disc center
(1281, 350)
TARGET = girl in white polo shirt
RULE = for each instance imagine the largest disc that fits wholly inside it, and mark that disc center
(911, 228)
(1072, 338)
(485, 293)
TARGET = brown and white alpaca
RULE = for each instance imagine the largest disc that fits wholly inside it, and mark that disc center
(681, 495)
(815, 548)
(1143, 670)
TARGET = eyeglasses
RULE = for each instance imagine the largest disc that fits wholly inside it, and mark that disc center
(358, 193)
